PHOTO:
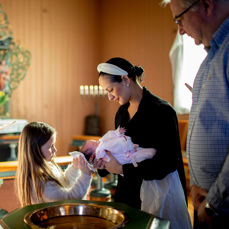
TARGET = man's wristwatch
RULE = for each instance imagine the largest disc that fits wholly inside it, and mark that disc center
(210, 210)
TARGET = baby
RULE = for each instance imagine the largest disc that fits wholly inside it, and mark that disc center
(120, 146)
(163, 198)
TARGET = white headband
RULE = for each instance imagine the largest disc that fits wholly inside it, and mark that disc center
(111, 69)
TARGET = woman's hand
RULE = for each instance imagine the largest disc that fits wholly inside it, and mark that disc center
(98, 164)
(113, 165)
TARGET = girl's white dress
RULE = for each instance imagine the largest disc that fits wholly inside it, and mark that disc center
(76, 185)
(162, 198)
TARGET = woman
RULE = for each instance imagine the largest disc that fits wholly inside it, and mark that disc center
(150, 122)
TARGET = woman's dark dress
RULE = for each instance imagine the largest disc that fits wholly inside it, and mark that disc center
(154, 125)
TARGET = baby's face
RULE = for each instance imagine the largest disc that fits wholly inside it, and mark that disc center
(90, 145)
(89, 148)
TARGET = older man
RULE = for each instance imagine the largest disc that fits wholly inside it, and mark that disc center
(207, 22)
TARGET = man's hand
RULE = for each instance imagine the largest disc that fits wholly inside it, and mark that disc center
(203, 217)
(198, 194)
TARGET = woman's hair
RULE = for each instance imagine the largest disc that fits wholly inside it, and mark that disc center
(134, 72)
(33, 170)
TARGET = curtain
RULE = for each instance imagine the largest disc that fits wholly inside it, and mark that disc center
(185, 58)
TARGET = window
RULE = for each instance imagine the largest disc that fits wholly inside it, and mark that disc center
(186, 58)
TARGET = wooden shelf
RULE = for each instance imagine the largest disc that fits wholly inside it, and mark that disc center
(9, 137)
(85, 137)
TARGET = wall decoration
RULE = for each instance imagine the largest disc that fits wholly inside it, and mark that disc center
(14, 63)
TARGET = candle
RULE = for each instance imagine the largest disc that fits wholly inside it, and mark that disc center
(86, 90)
(91, 90)
(81, 90)
(105, 92)
(100, 90)
(96, 90)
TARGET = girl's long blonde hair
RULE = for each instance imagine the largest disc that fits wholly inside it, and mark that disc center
(33, 170)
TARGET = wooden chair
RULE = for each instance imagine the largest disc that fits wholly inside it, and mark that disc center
(183, 130)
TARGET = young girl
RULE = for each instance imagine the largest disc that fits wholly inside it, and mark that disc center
(39, 178)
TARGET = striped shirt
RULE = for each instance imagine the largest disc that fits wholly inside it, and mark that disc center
(208, 134)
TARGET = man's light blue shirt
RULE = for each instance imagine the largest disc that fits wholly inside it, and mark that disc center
(208, 134)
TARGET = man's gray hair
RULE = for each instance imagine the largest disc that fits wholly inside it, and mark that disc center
(165, 2)
(186, 2)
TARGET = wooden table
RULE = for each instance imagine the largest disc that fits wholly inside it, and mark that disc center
(8, 168)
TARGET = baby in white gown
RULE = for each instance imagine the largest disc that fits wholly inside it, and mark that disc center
(122, 148)
(162, 198)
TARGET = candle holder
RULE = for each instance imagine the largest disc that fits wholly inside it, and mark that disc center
(92, 120)
(100, 193)
(112, 183)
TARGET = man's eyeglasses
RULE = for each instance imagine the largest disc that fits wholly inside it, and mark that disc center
(177, 19)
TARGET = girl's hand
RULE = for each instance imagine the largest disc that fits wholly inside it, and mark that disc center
(75, 162)
(113, 165)
(81, 163)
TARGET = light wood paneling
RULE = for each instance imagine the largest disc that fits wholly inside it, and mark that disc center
(68, 38)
